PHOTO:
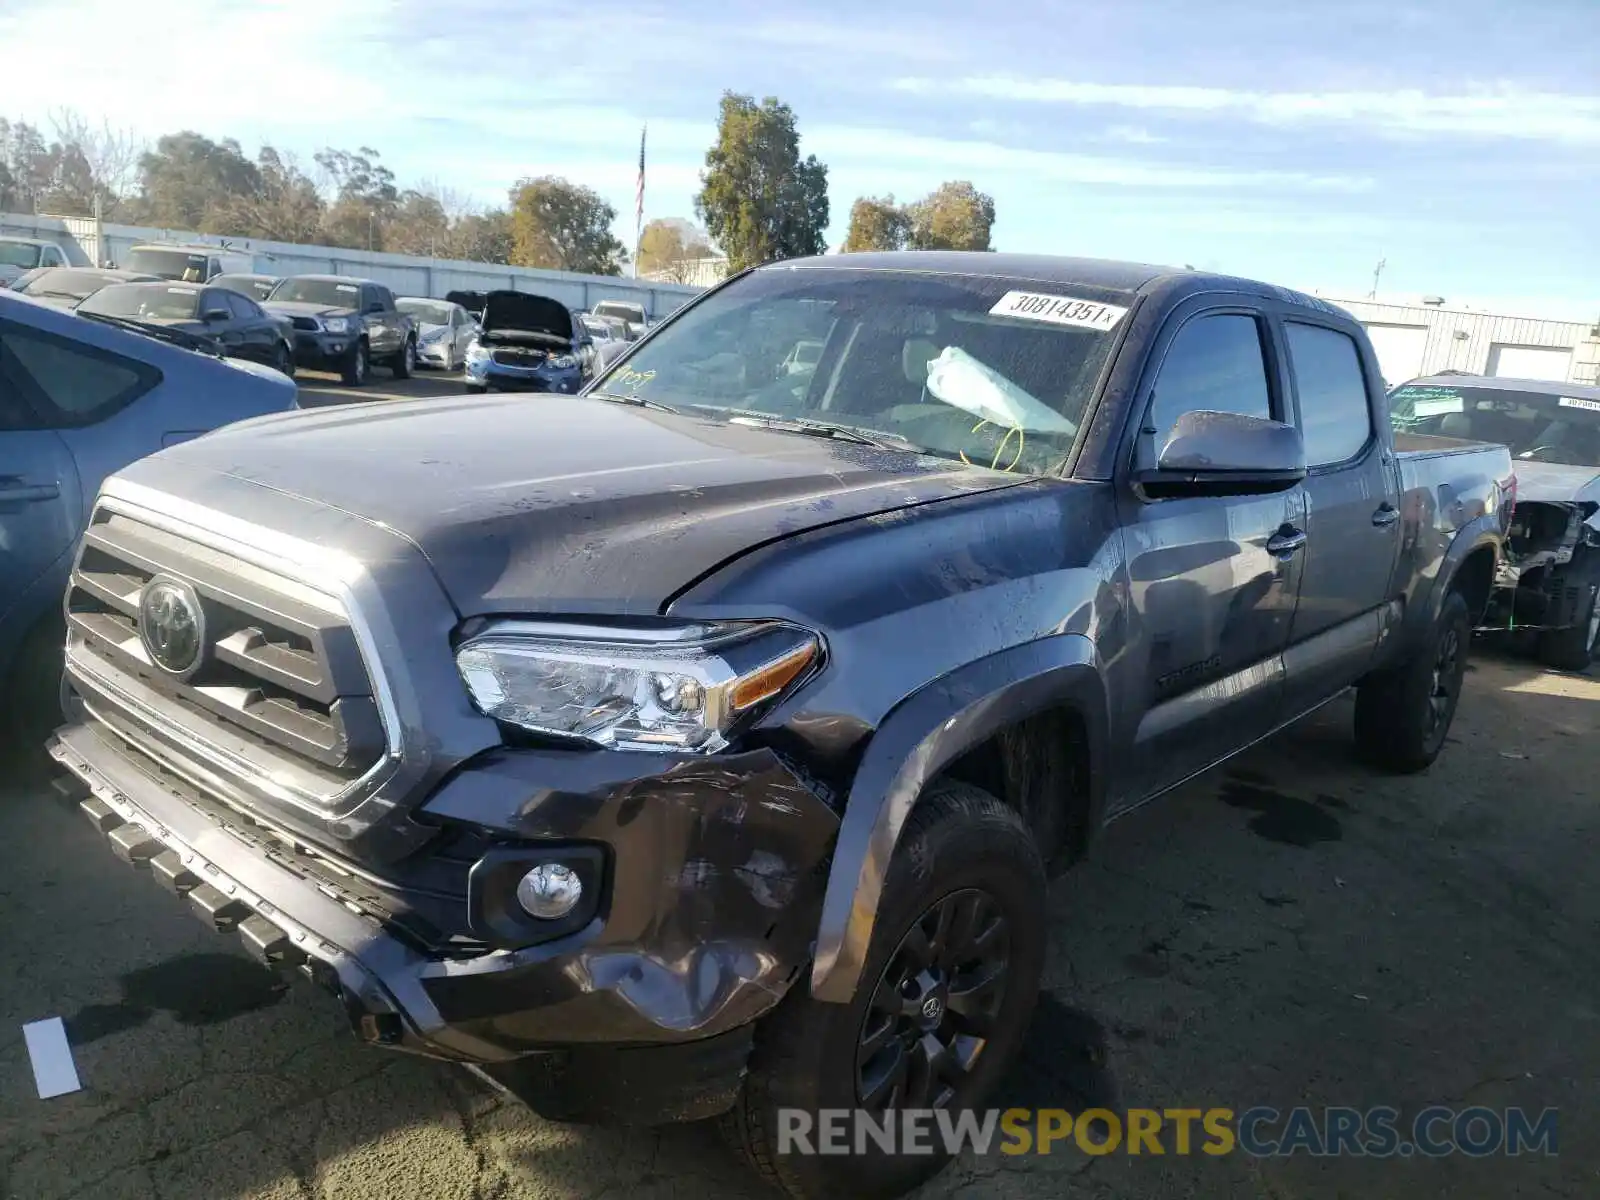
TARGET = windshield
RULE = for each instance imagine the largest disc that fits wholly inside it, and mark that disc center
(429, 312)
(257, 288)
(169, 264)
(628, 312)
(63, 283)
(143, 302)
(19, 254)
(599, 330)
(319, 291)
(1536, 426)
(987, 371)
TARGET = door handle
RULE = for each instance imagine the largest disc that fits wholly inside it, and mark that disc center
(1286, 541)
(14, 491)
(1387, 514)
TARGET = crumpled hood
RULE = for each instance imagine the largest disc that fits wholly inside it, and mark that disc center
(1556, 483)
(307, 308)
(567, 505)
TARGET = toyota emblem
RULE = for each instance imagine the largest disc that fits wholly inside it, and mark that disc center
(172, 625)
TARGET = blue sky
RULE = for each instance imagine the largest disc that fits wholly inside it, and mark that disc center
(1299, 141)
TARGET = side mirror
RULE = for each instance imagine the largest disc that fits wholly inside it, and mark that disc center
(1226, 454)
(217, 314)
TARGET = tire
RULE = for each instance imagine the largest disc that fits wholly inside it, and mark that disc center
(1574, 648)
(965, 854)
(1403, 714)
(404, 361)
(356, 366)
(474, 389)
(30, 694)
(283, 360)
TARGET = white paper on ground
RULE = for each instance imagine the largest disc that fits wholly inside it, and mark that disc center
(53, 1068)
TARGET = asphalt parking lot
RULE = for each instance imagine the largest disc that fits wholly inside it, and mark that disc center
(1290, 930)
(319, 389)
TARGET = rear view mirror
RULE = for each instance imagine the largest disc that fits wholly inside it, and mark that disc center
(1222, 453)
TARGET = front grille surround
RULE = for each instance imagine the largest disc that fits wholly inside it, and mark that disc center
(292, 702)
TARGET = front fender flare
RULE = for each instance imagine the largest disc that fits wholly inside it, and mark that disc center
(923, 733)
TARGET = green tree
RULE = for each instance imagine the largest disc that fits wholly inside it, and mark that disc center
(190, 182)
(956, 216)
(563, 226)
(284, 205)
(758, 199)
(669, 248)
(364, 197)
(877, 223)
(482, 237)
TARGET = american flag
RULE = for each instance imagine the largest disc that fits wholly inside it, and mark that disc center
(638, 207)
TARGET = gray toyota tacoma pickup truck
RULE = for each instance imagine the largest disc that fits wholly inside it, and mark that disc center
(700, 746)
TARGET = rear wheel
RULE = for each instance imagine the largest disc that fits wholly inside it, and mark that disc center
(356, 365)
(283, 360)
(1574, 648)
(940, 1014)
(1403, 714)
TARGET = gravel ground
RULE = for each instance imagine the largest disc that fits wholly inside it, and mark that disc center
(1289, 930)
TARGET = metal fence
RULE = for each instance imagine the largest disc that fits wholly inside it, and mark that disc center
(88, 242)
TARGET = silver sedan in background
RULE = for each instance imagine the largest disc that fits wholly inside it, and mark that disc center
(444, 331)
(610, 339)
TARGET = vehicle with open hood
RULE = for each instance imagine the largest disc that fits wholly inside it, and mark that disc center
(1548, 586)
(700, 745)
(527, 343)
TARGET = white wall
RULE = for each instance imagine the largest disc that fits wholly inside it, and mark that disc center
(406, 274)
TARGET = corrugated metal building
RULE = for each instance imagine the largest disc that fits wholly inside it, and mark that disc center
(1425, 339)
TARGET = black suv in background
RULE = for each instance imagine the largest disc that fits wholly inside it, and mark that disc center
(346, 324)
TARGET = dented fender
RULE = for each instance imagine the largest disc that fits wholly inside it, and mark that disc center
(923, 734)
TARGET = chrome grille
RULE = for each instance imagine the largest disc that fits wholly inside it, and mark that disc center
(282, 692)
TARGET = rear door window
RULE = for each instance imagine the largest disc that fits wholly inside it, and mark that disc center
(1335, 414)
(72, 384)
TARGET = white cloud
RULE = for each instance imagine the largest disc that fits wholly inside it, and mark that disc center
(894, 151)
(1490, 112)
(1131, 135)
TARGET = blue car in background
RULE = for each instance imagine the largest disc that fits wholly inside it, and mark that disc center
(528, 343)
(81, 398)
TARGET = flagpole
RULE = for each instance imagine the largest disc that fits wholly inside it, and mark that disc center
(638, 205)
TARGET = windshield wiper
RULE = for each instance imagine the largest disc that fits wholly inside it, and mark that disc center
(161, 333)
(636, 401)
(832, 429)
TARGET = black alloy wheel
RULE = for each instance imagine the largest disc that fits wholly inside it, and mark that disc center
(935, 1005)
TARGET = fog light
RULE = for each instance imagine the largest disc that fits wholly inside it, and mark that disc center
(550, 891)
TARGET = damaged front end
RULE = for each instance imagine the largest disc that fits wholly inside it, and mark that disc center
(1551, 548)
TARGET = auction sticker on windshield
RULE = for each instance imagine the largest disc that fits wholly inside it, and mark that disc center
(1574, 402)
(1058, 310)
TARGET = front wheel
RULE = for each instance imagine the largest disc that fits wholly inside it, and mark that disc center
(283, 360)
(356, 365)
(1403, 713)
(939, 1016)
(474, 389)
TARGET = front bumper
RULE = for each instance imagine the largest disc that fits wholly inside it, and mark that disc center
(489, 374)
(434, 354)
(707, 918)
(321, 349)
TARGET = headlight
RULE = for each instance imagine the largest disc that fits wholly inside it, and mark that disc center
(683, 688)
(563, 362)
(336, 324)
(477, 354)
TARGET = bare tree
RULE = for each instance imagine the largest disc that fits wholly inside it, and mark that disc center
(110, 154)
